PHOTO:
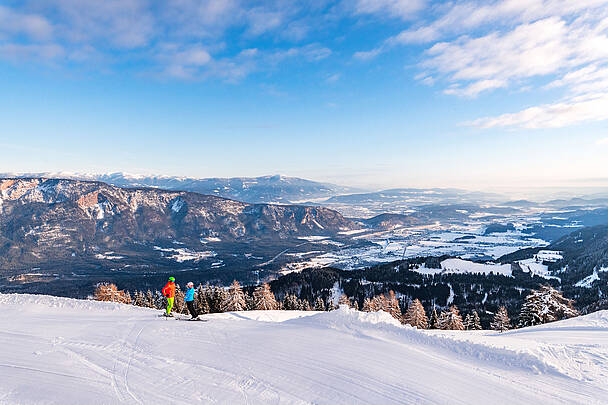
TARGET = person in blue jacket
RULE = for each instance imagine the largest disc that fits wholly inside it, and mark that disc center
(189, 298)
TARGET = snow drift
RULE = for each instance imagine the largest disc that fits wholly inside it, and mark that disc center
(60, 350)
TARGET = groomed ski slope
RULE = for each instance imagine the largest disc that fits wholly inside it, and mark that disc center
(64, 351)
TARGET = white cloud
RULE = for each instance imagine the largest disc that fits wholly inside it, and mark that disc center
(32, 25)
(510, 44)
(576, 110)
(603, 141)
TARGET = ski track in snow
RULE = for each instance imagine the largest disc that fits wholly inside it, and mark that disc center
(64, 351)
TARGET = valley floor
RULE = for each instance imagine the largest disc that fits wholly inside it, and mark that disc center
(65, 351)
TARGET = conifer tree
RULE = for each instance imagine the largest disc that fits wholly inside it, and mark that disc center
(250, 302)
(367, 305)
(392, 306)
(344, 300)
(501, 320)
(139, 299)
(545, 305)
(150, 299)
(290, 303)
(319, 304)
(202, 305)
(303, 305)
(160, 301)
(476, 324)
(234, 300)
(109, 292)
(179, 304)
(264, 298)
(451, 319)
(415, 315)
(468, 322)
(434, 322)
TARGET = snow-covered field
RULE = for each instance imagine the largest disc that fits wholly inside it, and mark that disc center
(64, 351)
(467, 242)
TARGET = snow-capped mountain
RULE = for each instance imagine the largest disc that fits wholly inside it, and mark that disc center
(265, 189)
(73, 225)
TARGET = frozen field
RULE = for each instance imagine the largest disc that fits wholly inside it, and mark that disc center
(64, 351)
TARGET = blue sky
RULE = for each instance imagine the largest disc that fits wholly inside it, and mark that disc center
(374, 93)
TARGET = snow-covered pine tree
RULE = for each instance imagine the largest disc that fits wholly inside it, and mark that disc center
(234, 300)
(468, 322)
(501, 320)
(290, 303)
(545, 305)
(202, 305)
(476, 321)
(215, 297)
(160, 301)
(303, 305)
(379, 303)
(179, 305)
(264, 298)
(319, 304)
(139, 299)
(393, 306)
(415, 315)
(367, 305)
(451, 319)
(344, 300)
(434, 321)
(150, 299)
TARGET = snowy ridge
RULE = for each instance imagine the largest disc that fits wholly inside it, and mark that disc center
(358, 322)
(75, 352)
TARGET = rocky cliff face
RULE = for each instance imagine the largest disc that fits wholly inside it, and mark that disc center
(42, 220)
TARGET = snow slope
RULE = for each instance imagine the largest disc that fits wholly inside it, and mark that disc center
(64, 351)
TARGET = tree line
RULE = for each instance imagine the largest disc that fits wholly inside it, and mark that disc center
(540, 306)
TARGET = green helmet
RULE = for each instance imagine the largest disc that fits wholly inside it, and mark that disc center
(172, 279)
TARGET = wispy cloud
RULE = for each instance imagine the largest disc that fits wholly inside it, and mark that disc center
(186, 39)
(404, 9)
(475, 47)
(591, 107)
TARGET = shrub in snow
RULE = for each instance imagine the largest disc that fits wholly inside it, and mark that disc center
(451, 319)
(545, 305)
(415, 315)
(109, 292)
(264, 298)
(501, 321)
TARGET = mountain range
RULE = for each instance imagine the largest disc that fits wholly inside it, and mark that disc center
(58, 226)
(264, 189)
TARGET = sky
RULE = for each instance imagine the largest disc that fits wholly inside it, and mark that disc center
(367, 93)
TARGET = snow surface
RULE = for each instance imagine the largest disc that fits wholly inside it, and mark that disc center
(465, 266)
(588, 281)
(64, 351)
